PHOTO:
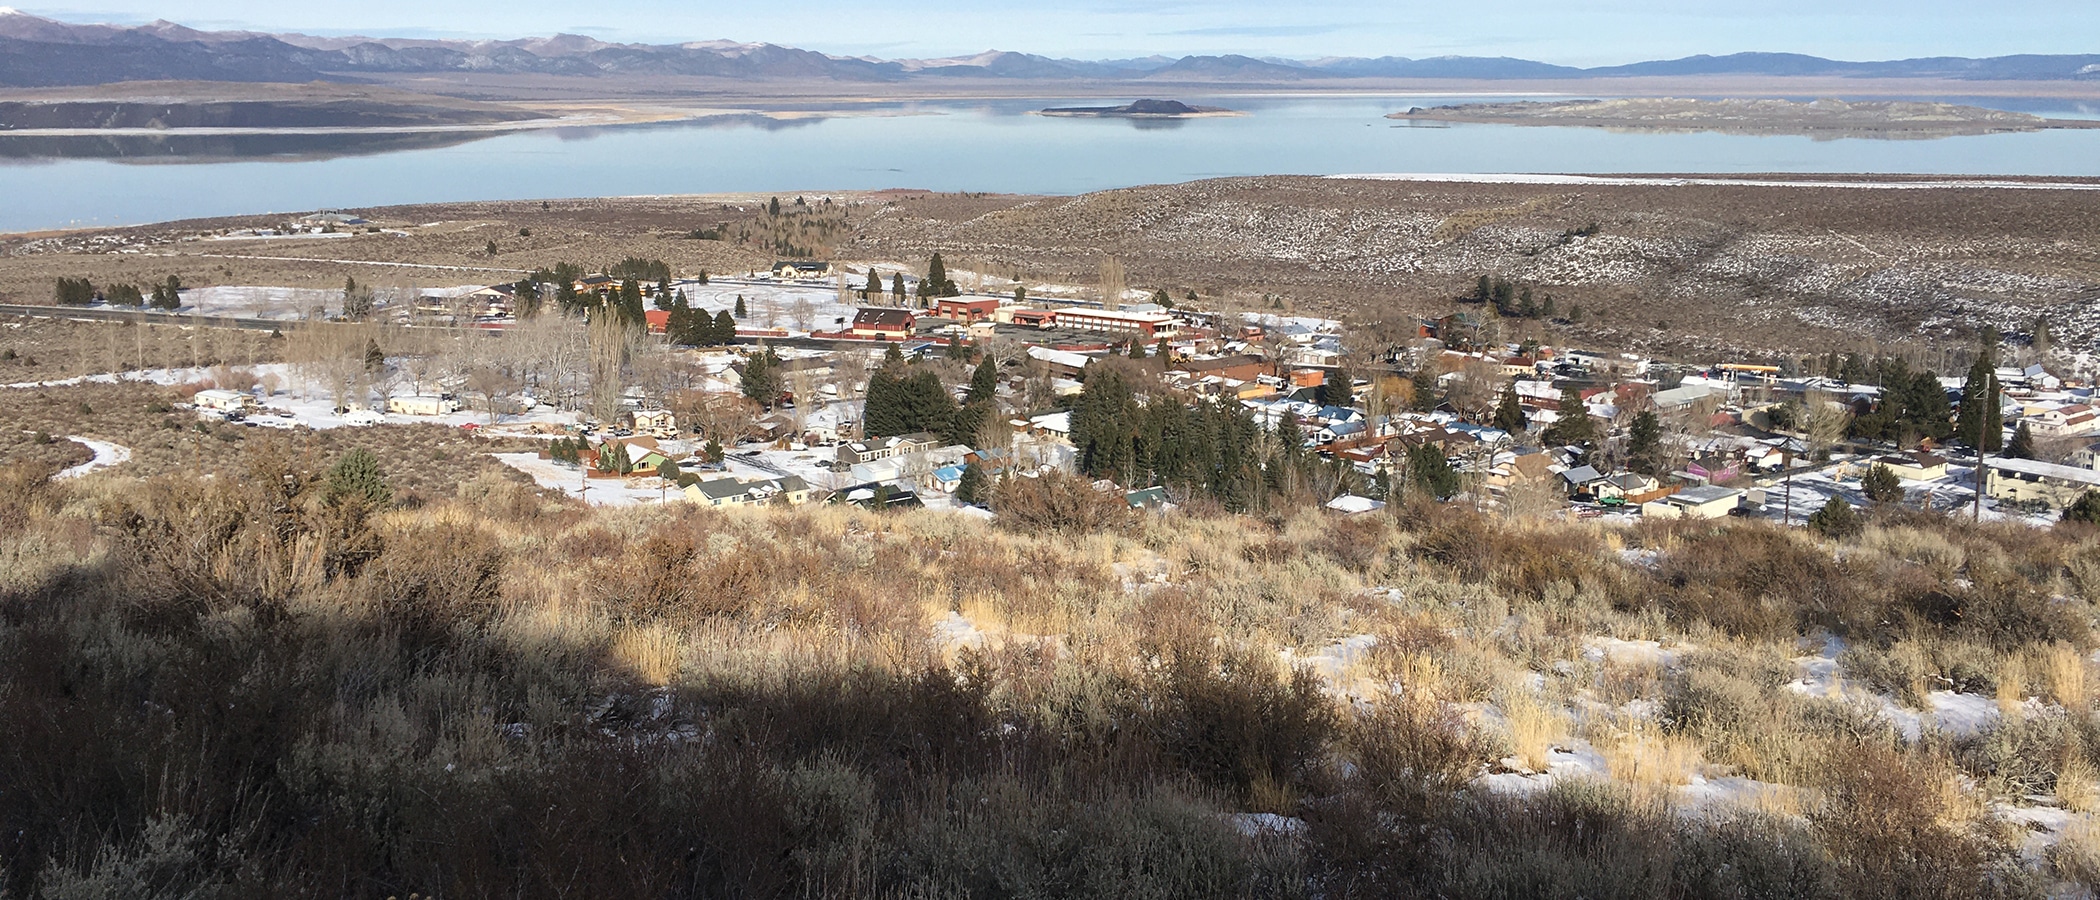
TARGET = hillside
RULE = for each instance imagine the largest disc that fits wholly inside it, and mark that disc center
(161, 105)
(36, 51)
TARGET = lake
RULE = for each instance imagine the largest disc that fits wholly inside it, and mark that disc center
(991, 146)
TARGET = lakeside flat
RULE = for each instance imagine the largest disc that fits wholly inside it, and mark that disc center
(1819, 118)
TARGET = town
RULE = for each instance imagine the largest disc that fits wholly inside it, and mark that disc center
(817, 381)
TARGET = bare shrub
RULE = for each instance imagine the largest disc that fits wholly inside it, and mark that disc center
(1057, 501)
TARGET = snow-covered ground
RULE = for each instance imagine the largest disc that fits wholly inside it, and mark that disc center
(595, 491)
(106, 455)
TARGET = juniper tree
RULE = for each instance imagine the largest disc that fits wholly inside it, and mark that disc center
(356, 477)
(984, 383)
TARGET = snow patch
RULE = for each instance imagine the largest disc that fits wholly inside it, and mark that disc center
(106, 455)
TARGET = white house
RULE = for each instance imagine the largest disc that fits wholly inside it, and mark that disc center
(421, 406)
(222, 400)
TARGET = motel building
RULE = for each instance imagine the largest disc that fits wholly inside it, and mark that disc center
(1147, 324)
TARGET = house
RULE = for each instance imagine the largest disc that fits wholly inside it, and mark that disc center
(801, 268)
(884, 323)
(1148, 325)
(1582, 479)
(1626, 486)
(2026, 480)
(655, 423)
(879, 496)
(1694, 503)
(2075, 419)
(421, 405)
(2087, 457)
(1034, 318)
(856, 452)
(1062, 363)
(1920, 466)
(222, 400)
(787, 490)
(967, 310)
(1678, 399)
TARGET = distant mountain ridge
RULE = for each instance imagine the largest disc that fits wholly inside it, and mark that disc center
(40, 52)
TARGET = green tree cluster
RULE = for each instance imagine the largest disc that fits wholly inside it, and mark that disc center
(125, 295)
(74, 292)
(908, 399)
(168, 294)
(1573, 427)
(1980, 421)
(1913, 405)
(1211, 449)
(937, 284)
(639, 269)
(762, 378)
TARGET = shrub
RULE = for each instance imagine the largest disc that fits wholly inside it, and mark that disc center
(1835, 520)
(1057, 501)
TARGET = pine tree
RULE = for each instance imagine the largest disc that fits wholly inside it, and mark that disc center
(1644, 442)
(984, 383)
(1993, 416)
(357, 478)
(970, 488)
(1835, 520)
(375, 358)
(897, 288)
(741, 313)
(725, 329)
(762, 377)
(1509, 414)
(1338, 388)
(773, 208)
(1970, 424)
(1137, 349)
(2085, 509)
(874, 285)
(1429, 471)
(1881, 485)
(882, 412)
(2022, 444)
(1573, 426)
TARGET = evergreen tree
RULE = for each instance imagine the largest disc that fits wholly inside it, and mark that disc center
(724, 331)
(741, 313)
(966, 422)
(1881, 485)
(970, 489)
(1137, 349)
(892, 354)
(526, 294)
(375, 358)
(168, 294)
(126, 295)
(1573, 426)
(984, 383)
(1509, 414)
(1835, 520)
(1338, 388)
(1104, 426)
(74, 292)
(1289, 435)
(1926, 411)
(762, 377)
(1429, 471)
(2085, 509)
(773, 208)
(874, 285)
(1969, 420)
(1644, 442)
(882, 413)
(1425, 385)
(357, 478)
(713, 452)
(1483, 290)
(1993, 416)
(2022, 444)
(897, 288)
(668, 471)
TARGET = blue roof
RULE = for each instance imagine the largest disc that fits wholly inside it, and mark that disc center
(948, 473)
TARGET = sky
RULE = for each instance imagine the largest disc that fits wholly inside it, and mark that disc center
(1569, 32)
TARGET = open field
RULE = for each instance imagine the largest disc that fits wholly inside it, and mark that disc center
(1710, 267)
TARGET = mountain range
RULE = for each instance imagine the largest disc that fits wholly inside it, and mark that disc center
(40, 52)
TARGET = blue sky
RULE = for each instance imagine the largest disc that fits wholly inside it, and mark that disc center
(1576, 32)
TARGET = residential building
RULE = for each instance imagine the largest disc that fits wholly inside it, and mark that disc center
(222, 400)
(2066, 421)
(2026, 480)
(857, 452)
(421, 406)
(787, 489)
(1920, 466)
(1694, 503)
(802, 268)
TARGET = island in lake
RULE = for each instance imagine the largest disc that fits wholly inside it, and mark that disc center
(1142, 109)
(1819, 118)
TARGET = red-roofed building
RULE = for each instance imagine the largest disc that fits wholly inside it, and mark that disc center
(966, 310)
